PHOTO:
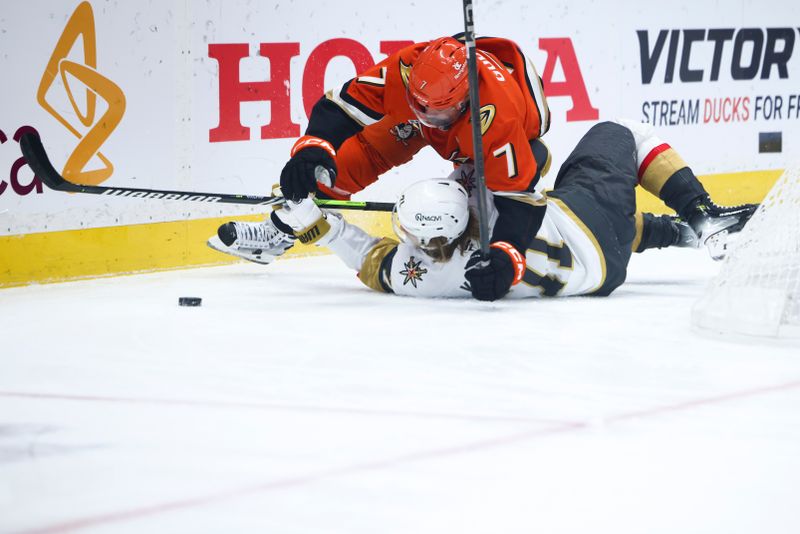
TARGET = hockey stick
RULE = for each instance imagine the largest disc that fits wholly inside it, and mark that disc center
(475, 117)
(39, 162)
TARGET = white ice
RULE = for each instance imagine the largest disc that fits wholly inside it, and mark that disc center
(295, 401)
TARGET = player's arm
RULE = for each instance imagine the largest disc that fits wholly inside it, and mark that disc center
(512, 172)
(370, 256)
(337, 116)
(363, 100)
(519, 217)
(344, 111)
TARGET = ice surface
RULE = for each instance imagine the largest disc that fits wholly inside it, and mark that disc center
(295, 400)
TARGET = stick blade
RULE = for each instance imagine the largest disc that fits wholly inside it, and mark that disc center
(34, 153)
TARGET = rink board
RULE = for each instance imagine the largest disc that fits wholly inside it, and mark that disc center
(98, 252)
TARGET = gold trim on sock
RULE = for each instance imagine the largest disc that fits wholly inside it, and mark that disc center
(661, 169)
(639, 223)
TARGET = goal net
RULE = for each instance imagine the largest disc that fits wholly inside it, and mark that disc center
(757, 291)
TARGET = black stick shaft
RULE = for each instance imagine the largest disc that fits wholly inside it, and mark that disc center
(39, 162)
(475, 116)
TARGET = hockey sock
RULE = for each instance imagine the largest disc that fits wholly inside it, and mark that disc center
(664, 173)
(654, 232)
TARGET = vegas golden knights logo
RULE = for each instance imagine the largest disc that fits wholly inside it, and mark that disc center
(413, 271)
(82, 84)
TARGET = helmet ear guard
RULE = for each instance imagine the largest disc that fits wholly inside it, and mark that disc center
(431, 209)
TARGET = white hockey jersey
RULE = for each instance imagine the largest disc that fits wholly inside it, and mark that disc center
(563, 259)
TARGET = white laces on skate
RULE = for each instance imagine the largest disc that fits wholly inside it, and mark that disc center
(258, 235)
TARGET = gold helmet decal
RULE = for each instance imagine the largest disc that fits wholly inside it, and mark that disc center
(405, 70)
(81, 25)
(487, 116)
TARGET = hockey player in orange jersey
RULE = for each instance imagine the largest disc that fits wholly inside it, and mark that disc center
(421, 92)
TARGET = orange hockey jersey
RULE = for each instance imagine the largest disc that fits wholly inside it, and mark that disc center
(514, 112)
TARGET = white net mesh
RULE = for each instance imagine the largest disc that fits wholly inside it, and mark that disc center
(757, 291)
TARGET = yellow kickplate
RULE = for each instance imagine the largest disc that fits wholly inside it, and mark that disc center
(98, 252)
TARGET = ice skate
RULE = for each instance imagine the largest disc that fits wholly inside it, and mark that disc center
(713, 225)
(683, 234)
(259, 242)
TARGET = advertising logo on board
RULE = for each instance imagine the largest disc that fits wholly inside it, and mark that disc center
(16, 179)
(747, 63)
(277, 90)
(83, 84)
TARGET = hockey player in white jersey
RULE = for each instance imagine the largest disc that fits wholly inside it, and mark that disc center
(582, 247)
(436, 225)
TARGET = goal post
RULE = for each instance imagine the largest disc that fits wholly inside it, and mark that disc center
(757, 291)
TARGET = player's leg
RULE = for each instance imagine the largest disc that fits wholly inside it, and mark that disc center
(663, 172)
(597, 182)
(660, 231)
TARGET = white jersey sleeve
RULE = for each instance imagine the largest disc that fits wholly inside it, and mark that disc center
(348, 241)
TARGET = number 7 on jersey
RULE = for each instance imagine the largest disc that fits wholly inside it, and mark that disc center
(507, 150)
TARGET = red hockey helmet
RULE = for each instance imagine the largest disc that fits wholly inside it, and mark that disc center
(437, 84)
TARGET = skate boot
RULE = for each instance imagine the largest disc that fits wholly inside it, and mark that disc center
(259, 242)
(714, 224)
(684, 234)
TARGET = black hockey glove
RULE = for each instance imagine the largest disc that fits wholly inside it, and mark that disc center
(299, 176)
(491, 282)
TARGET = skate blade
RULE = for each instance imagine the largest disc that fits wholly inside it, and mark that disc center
(216, 244)
(718, 245)
(715, 227)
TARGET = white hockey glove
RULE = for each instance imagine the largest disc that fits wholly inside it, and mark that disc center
(311, 225)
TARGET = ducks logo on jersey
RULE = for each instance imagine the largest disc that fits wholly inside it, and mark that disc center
(404, 131)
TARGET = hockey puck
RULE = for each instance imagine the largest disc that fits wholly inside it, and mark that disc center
(190, 301)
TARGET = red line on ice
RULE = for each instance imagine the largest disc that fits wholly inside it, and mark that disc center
(138, 513)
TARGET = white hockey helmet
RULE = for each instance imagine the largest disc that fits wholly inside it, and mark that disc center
(430, 209)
